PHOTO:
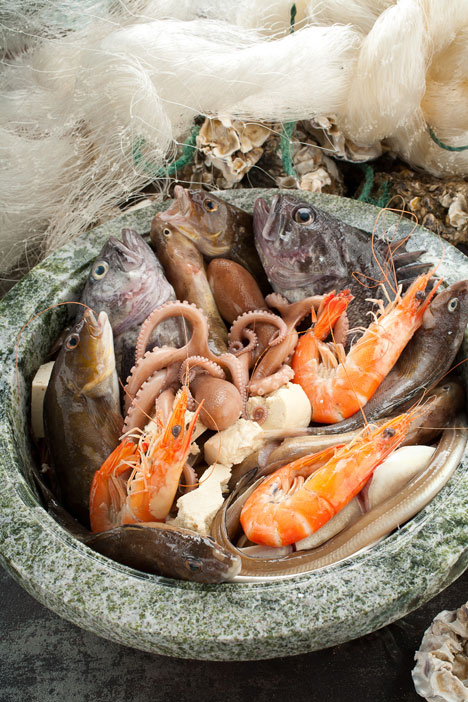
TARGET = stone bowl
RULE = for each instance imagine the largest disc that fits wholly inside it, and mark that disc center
(234, 621)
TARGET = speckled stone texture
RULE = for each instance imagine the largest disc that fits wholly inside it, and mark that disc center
(238, 621)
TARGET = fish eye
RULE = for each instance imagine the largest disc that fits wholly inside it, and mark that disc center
(193, 564)
(210, 205)
(304, 215)
(72, 341)
(100, 269)
(166, 232)
(453, 304)
(176, 429)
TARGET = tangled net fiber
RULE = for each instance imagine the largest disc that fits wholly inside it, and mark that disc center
(83, 82)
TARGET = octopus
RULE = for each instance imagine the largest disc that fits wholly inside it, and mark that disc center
(222, 382)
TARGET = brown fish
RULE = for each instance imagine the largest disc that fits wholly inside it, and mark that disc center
(185, 270)
(82, 410)
(159, 548)
(215, 227)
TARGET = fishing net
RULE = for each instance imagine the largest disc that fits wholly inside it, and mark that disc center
(99, 98)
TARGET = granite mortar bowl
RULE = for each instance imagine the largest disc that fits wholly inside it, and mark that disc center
(234, 621)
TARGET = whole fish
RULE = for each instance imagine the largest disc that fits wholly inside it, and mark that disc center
(305, 251)
(215, 227)
(424, 362)
(185, 269)
(82, 417)
(128, 282)
(163, 549)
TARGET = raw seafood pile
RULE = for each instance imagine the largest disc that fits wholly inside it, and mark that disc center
(248, 363)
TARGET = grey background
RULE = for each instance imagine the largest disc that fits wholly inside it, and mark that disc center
(44, 658)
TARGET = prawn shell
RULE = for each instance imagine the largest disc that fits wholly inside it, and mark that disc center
(373, 526)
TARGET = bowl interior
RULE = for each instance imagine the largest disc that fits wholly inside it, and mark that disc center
(229, 621)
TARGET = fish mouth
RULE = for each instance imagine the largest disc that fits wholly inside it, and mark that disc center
(95, 325)
(178, 214)
(98, 350)
(269, 224)
(181, 207)
(130, 251)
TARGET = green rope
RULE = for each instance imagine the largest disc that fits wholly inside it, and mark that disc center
(285, 146)
(186, 157)
(368, 182)
(365, 196)
(441, 143)
(288, 127)
(293, 18)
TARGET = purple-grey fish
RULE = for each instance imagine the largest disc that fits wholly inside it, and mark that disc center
(128, 282)
(305, 251)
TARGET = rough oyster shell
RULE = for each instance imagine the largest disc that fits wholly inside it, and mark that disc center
(441, 671)
(232, 146)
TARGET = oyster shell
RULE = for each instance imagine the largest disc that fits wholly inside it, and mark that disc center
(232, 146)
(441, 671)
(440, 204)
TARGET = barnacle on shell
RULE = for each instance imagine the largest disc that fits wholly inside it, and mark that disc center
(441, 671)
(232, 146)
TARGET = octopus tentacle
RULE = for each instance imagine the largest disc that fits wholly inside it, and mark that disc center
(152, 361)
(341, 329)
(190, 478)
(262, 386)
(237, 347)
(293, 312)
(194, 364)
(190, 312)
(160, 358)
(272, 362)
(143, 402)
(257, 316)
(164, 404)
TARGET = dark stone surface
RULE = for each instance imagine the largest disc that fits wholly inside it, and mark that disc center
(44, 658)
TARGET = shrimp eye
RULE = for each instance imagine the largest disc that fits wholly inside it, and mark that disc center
(210, 205)
(388, 433)
(100, 269)
(453, 304)
(166, 232)
(193, 564)
(176, 429)
(72, 341)
(304, 215)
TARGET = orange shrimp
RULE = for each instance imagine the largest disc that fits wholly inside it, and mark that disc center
(138, 483)
(288, 505)
(337, 385)
(330, 310)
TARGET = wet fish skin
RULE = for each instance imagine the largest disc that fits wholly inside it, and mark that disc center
(185, 269)
(305, 251)
(128, 282)
(216, 227)
(82, 416)
(159, 548)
